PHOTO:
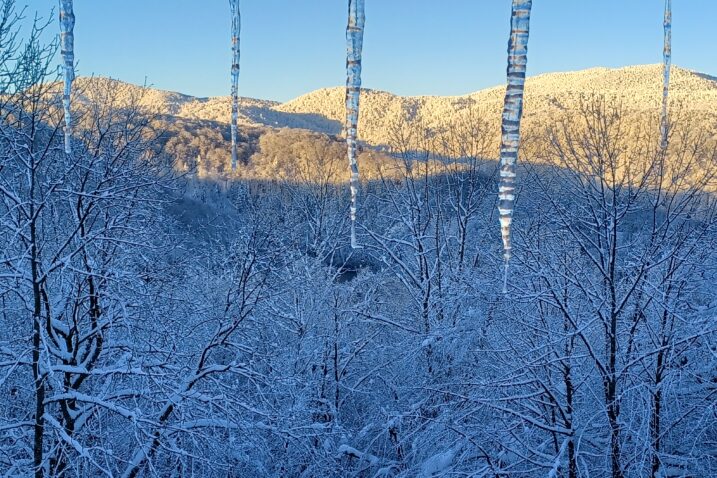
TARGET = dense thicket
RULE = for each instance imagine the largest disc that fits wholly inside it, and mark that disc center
(161, 322)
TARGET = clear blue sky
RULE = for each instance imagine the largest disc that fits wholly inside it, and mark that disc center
(411, 47)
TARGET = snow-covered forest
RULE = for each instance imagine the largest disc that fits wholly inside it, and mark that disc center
(158, 322)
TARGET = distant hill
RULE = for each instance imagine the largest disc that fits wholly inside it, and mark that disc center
(638, 88)
(196, 130)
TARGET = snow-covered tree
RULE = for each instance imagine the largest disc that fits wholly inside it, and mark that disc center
(608, 257)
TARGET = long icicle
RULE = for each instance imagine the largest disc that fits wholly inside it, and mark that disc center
(236, 27)
(354, 45)
(510, 128)
(67, 43)
(666, 64)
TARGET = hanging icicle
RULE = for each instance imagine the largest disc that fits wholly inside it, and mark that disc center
(67, 42)
(510, 129)
(354, 44)
(666, 63)
(236, 27)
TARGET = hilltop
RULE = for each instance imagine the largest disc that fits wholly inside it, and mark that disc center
(276, 136)
(637, 88)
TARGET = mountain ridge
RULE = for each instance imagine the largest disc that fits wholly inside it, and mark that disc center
(638, 88)
(597, 69)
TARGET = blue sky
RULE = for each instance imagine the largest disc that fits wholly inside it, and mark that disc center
(411, 47)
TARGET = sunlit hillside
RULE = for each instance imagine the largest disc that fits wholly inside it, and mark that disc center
(638, 88)
(548, 97)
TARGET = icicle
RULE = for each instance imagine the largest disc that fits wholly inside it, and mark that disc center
(236, 27)
(666, 63)
(67, 41)
(510, 128)
(354, 44)
(505, 277)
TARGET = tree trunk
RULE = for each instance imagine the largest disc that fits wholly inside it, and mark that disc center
(613, 408)
(38, 376)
